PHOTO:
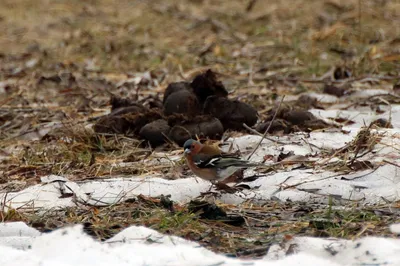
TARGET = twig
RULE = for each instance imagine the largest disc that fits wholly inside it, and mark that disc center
(252, 130)
(320, 80)
(390, 108)
(392, 163)
(259, 134)
(370, 98)
(266, 131)
(250, 5)
(359, 20)
(170, 141)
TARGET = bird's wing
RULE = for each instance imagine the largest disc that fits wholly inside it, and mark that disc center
(205, 155)
(201, 160)
(219, 161)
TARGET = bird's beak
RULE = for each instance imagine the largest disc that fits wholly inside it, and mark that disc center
(187, 150)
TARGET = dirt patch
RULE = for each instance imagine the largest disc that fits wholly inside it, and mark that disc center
(253, 229)
(202, 104)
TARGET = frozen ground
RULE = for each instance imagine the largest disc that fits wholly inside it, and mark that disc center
(137, 245)
(369, 186)
(59, 68)
(22, 245)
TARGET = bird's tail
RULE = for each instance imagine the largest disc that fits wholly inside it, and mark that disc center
(234, 162)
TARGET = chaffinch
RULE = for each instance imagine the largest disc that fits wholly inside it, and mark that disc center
(208, 162)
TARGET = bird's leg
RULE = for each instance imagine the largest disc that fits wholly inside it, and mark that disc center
(212, 184)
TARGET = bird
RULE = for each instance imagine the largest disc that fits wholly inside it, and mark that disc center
(209, 163)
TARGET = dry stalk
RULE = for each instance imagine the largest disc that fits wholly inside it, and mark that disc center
(266, 131)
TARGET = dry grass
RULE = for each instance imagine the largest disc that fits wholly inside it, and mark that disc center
(260, 54)
(263, 225)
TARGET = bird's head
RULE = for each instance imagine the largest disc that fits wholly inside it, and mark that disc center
(191, 146)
